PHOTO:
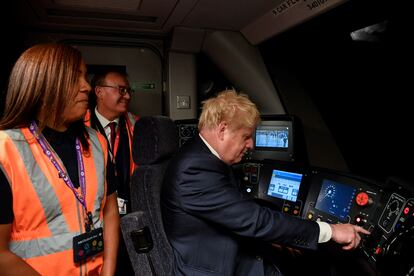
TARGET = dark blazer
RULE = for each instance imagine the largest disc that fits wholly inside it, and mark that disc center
(207, 219)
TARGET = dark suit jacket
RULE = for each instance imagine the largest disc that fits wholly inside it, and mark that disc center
(206, 218)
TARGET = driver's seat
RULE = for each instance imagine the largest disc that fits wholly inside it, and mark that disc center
(155, 142)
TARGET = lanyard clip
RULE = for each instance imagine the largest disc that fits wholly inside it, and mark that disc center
(88, 222)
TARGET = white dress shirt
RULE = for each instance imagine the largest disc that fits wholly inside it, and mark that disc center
(105, 124)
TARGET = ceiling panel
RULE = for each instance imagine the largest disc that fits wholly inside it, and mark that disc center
(109, 15)
(114, 5)
(227, 15)
(132, 17)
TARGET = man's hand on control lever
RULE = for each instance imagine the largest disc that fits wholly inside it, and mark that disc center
(347, 235)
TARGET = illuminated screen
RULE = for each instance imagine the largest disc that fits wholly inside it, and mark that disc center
(284, 185)
(335, 198)
(272, 137)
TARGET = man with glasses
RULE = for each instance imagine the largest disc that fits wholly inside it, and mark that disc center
(109, 101)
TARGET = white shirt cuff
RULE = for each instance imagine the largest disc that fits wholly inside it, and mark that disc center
(325, 232)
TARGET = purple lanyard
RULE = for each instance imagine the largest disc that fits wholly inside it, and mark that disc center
(62, 173)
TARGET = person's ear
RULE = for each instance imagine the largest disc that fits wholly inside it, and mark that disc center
(98, 91)
(222, 128)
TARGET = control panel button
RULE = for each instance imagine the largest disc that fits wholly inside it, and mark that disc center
(359, 220)
(362, 199)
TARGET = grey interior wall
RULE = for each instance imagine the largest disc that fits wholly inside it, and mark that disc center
(141, 56)
(240, 62)
(144, 70)
(182, 85)
(243, 65)
(182, 72)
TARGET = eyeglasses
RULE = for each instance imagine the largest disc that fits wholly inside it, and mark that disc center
(121, 89)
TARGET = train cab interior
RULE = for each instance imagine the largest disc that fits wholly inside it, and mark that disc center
(329, 77)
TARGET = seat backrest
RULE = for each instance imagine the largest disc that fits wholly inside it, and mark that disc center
(155, 142)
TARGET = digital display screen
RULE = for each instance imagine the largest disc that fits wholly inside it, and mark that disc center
(335, 198)
(284, 185)
(272, 137)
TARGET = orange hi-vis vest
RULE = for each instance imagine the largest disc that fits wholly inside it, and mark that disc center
(46, 213)
(130, 120)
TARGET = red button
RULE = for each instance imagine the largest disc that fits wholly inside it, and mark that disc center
(362, 199)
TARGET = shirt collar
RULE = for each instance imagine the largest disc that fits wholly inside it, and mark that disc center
(209, 147)
(104, 121)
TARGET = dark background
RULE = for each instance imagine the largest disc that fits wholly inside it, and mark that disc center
(362, 89)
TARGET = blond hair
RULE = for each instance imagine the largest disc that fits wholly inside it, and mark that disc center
(234, 108)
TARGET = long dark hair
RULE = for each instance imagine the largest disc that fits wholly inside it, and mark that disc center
(42, 82)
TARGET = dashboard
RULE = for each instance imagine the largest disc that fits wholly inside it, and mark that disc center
(385, 209)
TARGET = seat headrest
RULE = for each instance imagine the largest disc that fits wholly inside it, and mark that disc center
(155, 139)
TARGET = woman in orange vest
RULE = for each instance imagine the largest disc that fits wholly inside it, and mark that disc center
(58, 216)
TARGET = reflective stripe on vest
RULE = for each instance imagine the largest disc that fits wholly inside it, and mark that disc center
(51, 220)
(130, 124)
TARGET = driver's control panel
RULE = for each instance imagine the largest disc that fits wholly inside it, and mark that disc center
(343, 198)
(384, 209)
(278, 187)
(391, 212)
(397, 219)
(336, 197)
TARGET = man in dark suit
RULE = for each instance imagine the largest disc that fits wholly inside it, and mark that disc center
(109, 115)
(208, 221)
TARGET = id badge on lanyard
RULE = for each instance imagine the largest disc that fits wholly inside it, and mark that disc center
(88, 244)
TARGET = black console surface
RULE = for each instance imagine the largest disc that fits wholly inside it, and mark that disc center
(385, 209)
